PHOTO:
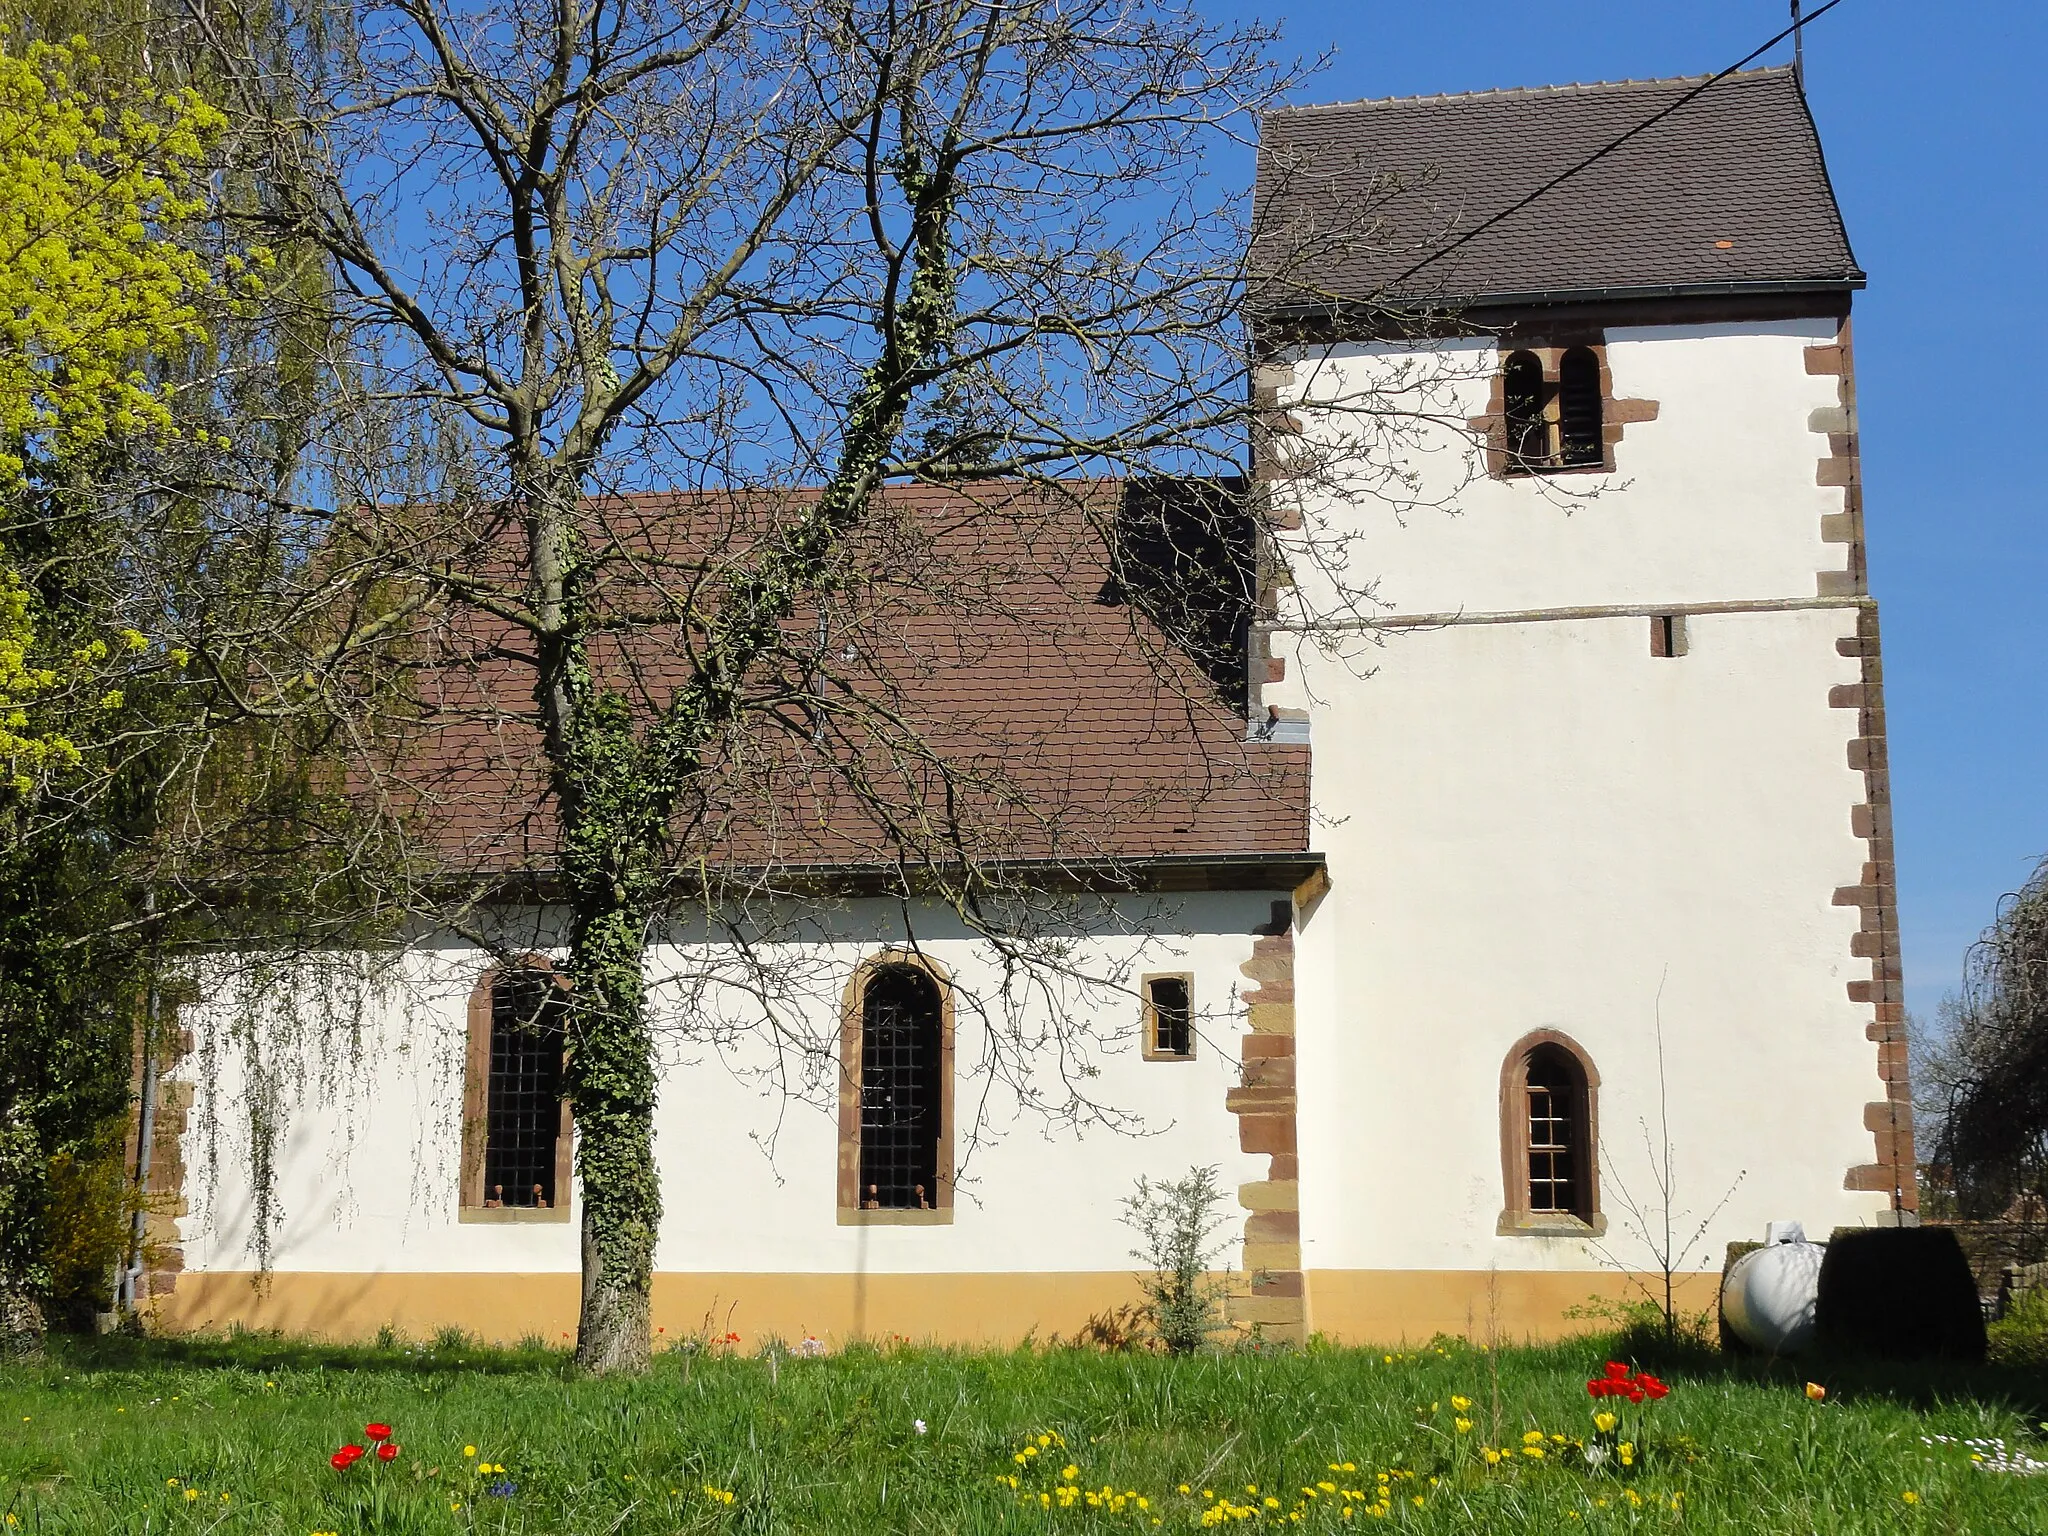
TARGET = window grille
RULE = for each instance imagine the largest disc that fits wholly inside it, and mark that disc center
(1556, 1134)
(1528, 433)
(1172, 1014)
(901, 1057)
(1580, 440)
(523, 1125)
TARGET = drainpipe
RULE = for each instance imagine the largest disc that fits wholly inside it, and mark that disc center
(130, 1281)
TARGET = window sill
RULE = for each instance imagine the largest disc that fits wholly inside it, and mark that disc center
(512, 1215)
(1552, 474)
(1548, 1224)
(896, 1218)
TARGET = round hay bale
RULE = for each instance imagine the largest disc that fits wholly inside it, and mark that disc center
(1899, 1293)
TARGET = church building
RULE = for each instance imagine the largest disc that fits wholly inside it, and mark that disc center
(1493, 911)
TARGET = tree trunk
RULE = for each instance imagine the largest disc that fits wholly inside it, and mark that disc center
(611, 1082)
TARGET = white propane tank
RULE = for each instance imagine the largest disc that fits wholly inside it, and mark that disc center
(1770, 1294)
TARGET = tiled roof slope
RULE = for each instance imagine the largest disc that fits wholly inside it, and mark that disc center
(1070, 727)
(1727, 192)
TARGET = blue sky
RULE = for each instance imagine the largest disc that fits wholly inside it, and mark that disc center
(1935, 121)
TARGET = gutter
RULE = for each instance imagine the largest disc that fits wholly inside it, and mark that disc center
(1437, 303)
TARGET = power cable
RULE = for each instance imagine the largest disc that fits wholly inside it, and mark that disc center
(1607, 149)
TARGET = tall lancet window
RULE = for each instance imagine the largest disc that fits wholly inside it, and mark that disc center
(896, 1098)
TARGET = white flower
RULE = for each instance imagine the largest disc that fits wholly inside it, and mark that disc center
(919, 1425)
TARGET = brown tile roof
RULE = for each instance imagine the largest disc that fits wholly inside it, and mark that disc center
(1070, 725)
(1729, 192)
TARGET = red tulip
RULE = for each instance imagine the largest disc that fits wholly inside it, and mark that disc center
(1616, 1371)
(387, 1452)
(1655, 1387)
(376, 1431)
(346, 1457)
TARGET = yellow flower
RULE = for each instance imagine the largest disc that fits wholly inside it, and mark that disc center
(1462, 1425)
(1534, 1437)
(1816, 1393)
(1183, 1487)
(1533, 1450)
(191, 1494)
(1461, 1403)
(469, 1450)
(1604, 1422)
(1909, 1496)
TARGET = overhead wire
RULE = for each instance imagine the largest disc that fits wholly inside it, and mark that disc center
(1609, 148)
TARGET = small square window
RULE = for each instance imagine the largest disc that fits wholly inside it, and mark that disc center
(1169, 1017)
(1667, 634)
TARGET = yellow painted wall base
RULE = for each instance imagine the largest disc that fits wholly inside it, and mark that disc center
(1389, 1306)
(1349, 1306)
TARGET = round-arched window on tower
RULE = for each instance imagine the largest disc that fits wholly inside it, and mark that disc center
(1579, 424)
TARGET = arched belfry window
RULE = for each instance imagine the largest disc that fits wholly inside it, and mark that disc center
(1579, 427)
(896, 1094)
(516, 1128)
(1549, 1138)
(1528, 429)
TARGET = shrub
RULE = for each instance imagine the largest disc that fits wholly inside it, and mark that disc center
(1176, 1221)
(2021, 1336)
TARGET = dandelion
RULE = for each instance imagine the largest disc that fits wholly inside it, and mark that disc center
(469, 1450)
(191, 1495)
(1909, 1496)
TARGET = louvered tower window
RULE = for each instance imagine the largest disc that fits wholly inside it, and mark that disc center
(1578, 409)
(1528, 432)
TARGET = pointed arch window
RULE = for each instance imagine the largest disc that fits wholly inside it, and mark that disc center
(896, 1093)
(517, 1132)
(1550, 1151)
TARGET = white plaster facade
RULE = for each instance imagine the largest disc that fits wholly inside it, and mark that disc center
(1532, 822)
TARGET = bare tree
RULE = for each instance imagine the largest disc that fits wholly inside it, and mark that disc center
(1991, 1067)
(768, 261)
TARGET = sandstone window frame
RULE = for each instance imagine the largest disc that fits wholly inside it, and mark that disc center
(1517, 1219)
(1148, 1015)
(852, 1021)
(1503, 431)
(476, 1078)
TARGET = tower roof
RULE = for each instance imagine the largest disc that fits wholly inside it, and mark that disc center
(1380, 200)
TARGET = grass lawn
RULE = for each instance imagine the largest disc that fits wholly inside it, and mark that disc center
(235, 1435)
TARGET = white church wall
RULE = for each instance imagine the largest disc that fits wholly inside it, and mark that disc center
(366, 1172)
(1544, 827)
(1713, 499)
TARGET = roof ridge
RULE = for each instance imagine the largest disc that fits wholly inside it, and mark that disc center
(1573, 88)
